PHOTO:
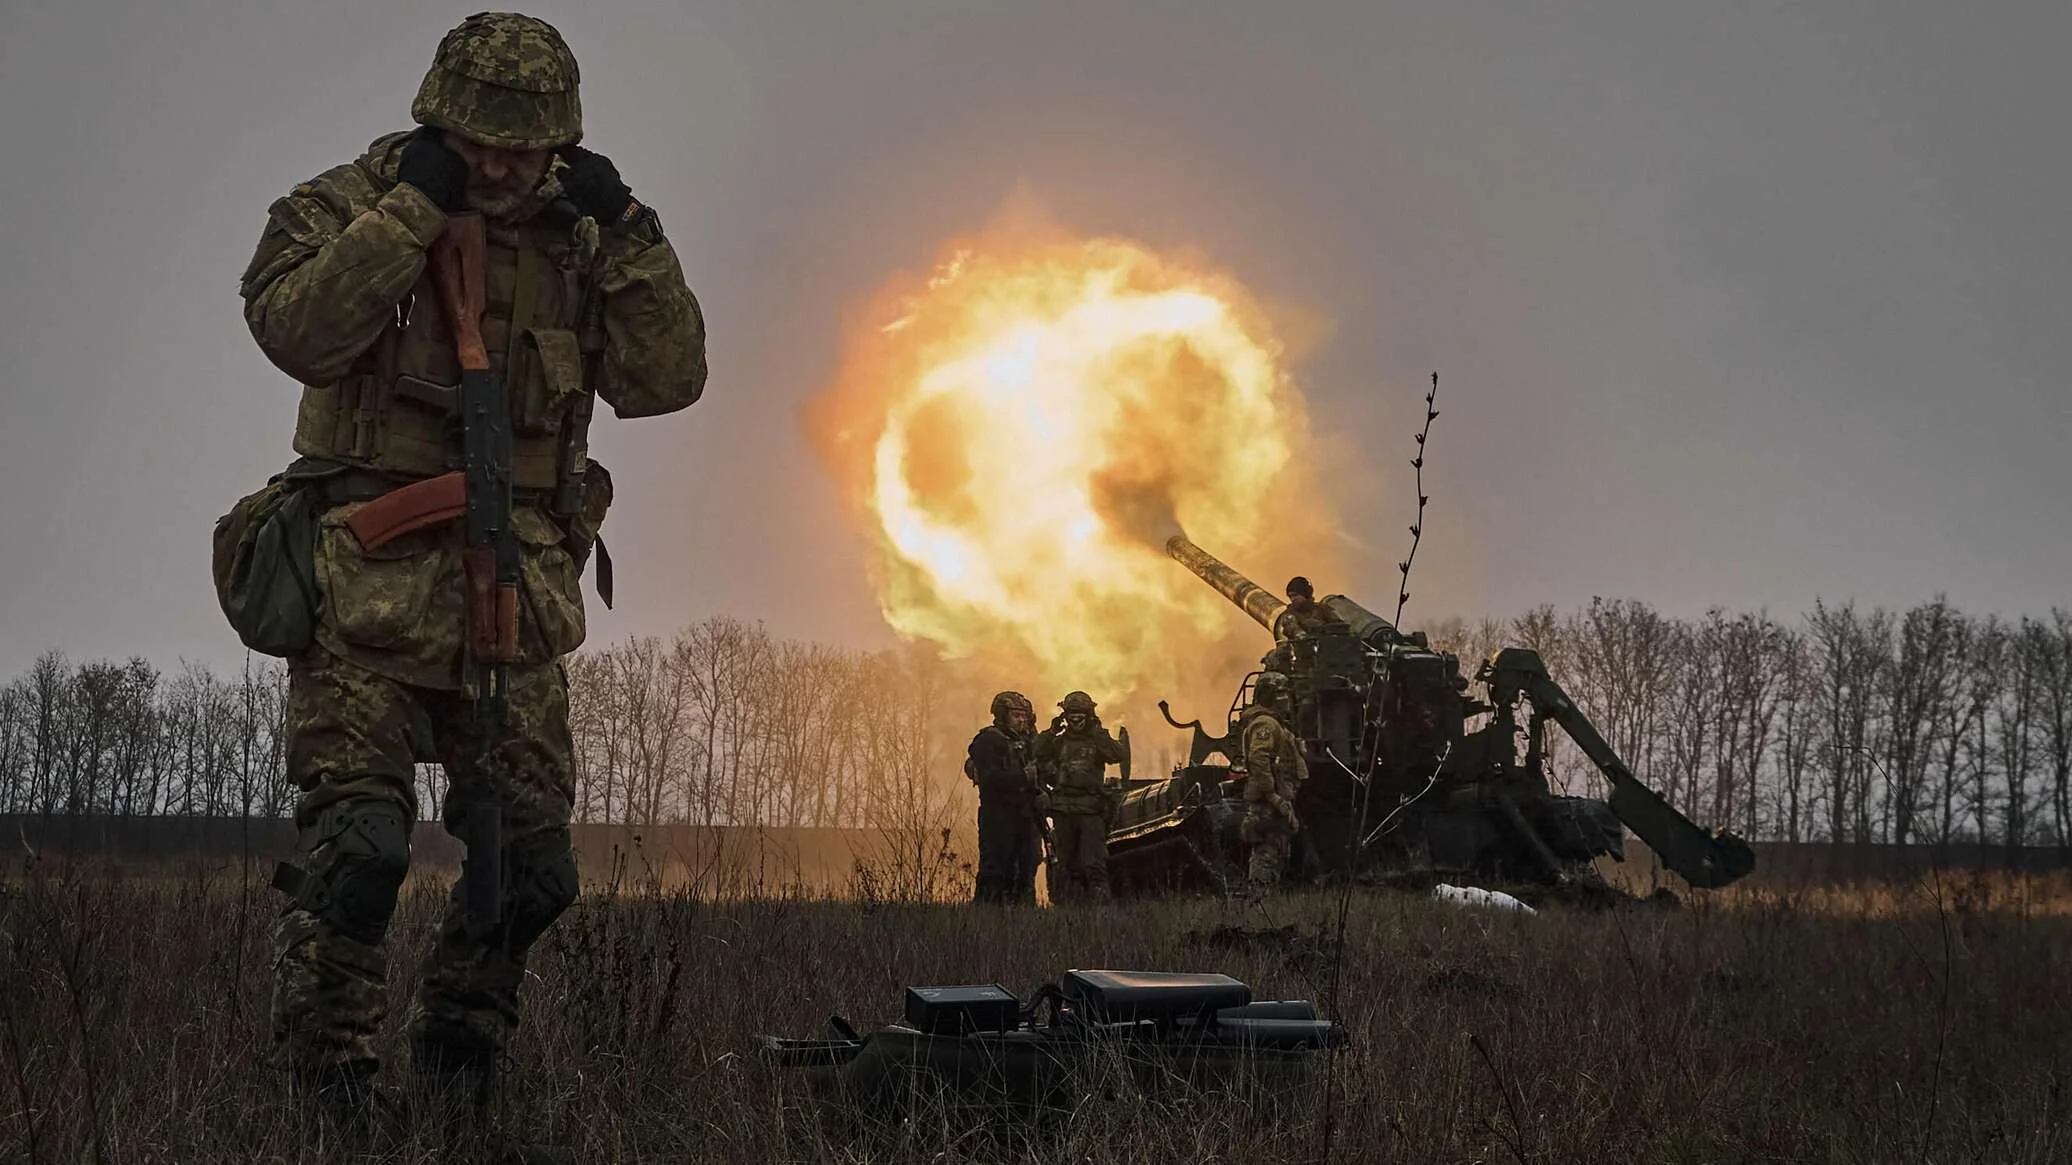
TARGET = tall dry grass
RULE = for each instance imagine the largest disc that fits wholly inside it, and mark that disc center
(1924, 1022)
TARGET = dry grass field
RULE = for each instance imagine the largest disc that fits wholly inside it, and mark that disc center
(1900, 1023)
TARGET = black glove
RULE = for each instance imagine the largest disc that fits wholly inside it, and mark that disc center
(438, 173)
(594, 185)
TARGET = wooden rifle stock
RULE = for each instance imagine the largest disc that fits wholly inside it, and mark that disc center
(457, 258)
(492, 609)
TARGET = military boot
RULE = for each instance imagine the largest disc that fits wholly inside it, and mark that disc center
(460, 1082)
(341, 1094)
(464, 1077)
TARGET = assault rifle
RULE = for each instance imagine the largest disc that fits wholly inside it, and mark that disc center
(479, 492)
(490, 554)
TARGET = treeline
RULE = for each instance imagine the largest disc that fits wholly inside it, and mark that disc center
(129, 740)
(1920, 726)
(1925, 726)
(723, 724)
(727, 724)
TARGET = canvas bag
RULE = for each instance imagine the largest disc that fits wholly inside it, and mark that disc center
(264, 563)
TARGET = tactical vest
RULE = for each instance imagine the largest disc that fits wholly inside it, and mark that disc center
(1017, 752)
(395, 412)
(1079, 761)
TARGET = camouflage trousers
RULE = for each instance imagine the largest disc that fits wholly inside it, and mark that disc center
(1009, 850)
(353, 740)
(1267, 832)
(1081, 872)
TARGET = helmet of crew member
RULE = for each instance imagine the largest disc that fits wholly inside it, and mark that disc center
(503, 80)
(1271, 690)
(1006, 704)
(1300, 586)
(1077, 702)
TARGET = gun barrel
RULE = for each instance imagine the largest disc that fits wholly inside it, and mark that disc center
(1371, 628)
(1246, 595)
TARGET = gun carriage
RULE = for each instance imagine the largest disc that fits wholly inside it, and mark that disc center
(1412, 766)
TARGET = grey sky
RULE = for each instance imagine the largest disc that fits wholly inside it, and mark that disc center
(1736, 307)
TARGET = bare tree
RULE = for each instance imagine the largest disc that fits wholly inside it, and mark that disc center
(719, 658)
(16, 740)
(596, 726)
(2015, 715)
(654, 699)
(2054, 672)
(1961, 791)
(1624, 656)
(1691, 713)
(1795, 798)
(1918, 689)
(1750, 649)
(1849, 654)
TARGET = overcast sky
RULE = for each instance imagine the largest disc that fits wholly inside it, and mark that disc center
(1730, 307)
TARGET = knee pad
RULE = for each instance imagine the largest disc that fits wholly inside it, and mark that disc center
(363, 854)
(542, 882)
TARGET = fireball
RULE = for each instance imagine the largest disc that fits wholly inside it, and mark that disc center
(1021, 430)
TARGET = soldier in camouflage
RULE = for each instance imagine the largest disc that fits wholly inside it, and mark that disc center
(585, 300)
(1010, 842)
(1072, 760)
(1302, 618)
(1274, 772)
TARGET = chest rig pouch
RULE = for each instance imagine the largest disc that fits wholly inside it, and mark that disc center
(395, 412)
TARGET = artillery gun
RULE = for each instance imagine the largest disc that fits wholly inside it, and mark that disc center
(1401, 775)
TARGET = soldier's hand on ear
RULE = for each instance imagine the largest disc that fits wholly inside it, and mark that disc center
(594, 185)
(438, 173)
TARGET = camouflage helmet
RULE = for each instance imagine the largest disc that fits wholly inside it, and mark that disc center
(503, 80)
(1271, 688)
(1077, 702)
(1299, 585)
(1006, 704)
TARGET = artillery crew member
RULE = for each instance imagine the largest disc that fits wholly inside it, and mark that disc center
(1072, 761)
(1302, 618)
(583, 298)
(1010, 841)
(1274, 772)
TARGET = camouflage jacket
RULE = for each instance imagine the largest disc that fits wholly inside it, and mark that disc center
(338, 297)
(1273, 758)
(1073, 764)
(1292, 624)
